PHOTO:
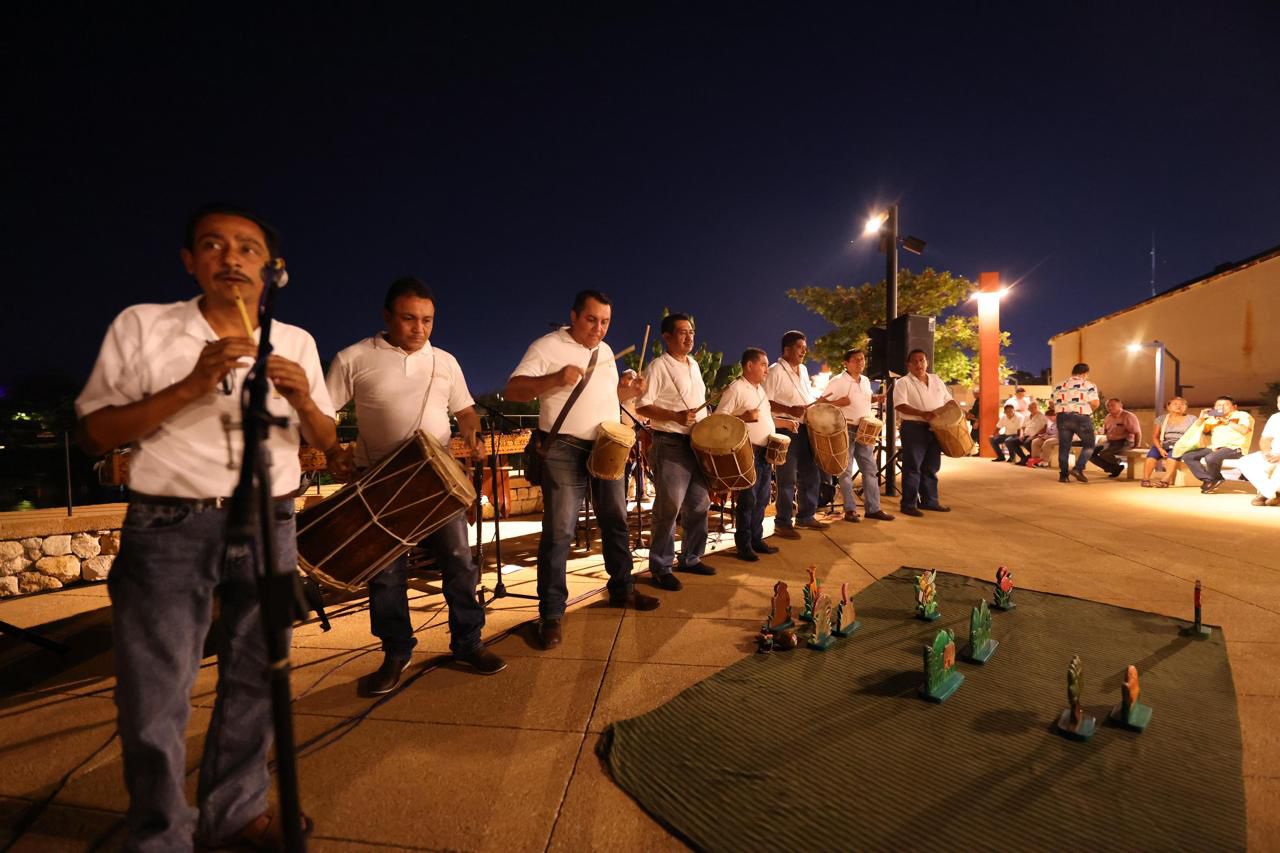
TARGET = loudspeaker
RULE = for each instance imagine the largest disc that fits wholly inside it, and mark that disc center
(907, 332)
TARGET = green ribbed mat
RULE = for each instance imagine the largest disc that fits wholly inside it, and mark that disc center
(833, 750)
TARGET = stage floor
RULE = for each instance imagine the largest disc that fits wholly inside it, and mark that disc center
(455, 760)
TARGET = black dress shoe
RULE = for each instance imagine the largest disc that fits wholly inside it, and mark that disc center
(747, 555)
(669, 582)
(635, 600)
(482, 661)
(786, 531)
(880, 515)
(763, 548)
(1212, 486)
(550, 634)
(911, 511)
(698, 568)
(1079, 475)
(935, 507)
(385, 679)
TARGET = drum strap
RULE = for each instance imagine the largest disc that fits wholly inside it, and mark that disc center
(417, 425)
(573, 398)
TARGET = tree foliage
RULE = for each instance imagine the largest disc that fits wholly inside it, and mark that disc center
(855, 310)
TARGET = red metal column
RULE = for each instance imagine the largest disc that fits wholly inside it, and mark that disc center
(988, 359)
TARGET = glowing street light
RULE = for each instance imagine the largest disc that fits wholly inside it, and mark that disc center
(874, 224)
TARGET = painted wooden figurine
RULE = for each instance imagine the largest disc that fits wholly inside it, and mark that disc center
(1131, 713)
(779, 609)
(1003, 598)
(981, 647)
(1074, 722)
(846, 621)
(940, 676)
(926, 596)
(812, 590)
(1196, 630)
(822, 639)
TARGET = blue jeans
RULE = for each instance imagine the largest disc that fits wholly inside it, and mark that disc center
(680, 489)
(749, 505)
(921, 459)
(173, 563)
(801, 465)
(389, 596)
(863, 456)
(1205, 464)
(1073, 425)
(564, 485)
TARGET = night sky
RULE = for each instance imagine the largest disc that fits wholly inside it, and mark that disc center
(706, 159)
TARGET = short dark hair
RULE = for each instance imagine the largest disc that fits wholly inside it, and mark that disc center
(1231, 400)
(580, 299)
(1019, 388)
(750, 354)
(407, 286)
(1115, 400)
(669, 322)
(1079, 368)
(918, 350)
(791, 337)
(850, 353)
(1008, 405)
(218, 208)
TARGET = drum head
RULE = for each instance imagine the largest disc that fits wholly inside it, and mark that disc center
(617, 432)
(718, 433)
(871, 422)
(779, 439)
(447, 468)
(951, 414)
(824, 418)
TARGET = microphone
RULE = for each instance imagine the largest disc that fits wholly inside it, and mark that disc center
(274, 274)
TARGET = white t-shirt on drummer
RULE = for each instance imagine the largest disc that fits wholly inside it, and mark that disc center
(742, 396)
(925, 396)
(859, 394)
(388, 385)
(195, 453)
(599, 399)
(676, 386)
(788, 387)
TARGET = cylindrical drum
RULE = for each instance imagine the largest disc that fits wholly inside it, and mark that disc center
(829, 437)
(608, 459)
(951, 428)
(723, 449)
(869, 431)
(775, 452)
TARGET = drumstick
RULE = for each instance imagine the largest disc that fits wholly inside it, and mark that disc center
(703, 406)
(644, 348)
(625, 352)
(244, 312)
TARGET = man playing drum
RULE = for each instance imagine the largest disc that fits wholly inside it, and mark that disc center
(168, 381)
(673, 402)
(400, 384)
(745, 398)
(790, 393)
(851, 391)
(552, 366)
(917, 398)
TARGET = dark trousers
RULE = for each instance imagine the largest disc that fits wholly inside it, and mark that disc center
(389, 596)
(173, 564)
(1018, 447)
(1108, 456)
(1205, 464)
(680, 490)
(1072, 426)
(798, 481)
(749, 505)
(921, 459)
(565, 481)
(1000, 443)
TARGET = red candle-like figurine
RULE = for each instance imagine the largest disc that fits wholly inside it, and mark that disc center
(1198, 630)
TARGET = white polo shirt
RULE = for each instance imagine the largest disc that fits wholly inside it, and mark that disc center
(1033, 425)
(859, 394)
(599, 400)
(389, 386)
(1009, 424)
(196, 453)
(788, 387)
(675, 386)
(741, 396)
(925, 396)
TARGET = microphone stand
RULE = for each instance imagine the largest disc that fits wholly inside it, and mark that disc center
(251, 520)
(499, 587)
(638, 469)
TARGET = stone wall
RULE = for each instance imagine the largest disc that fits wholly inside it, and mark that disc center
(525, 497)
(38, 563)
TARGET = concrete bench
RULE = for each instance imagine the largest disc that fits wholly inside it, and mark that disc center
(1136, 459)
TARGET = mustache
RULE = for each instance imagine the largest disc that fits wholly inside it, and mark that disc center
(231, 274)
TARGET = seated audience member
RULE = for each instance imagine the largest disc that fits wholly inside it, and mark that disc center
(1121, 431)
(1262, 469)
(1044, 449)
(1169, 427)
(1020, 401)
(1227, 432)
(971, 415)
(1006, 428)
(1033, 426)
